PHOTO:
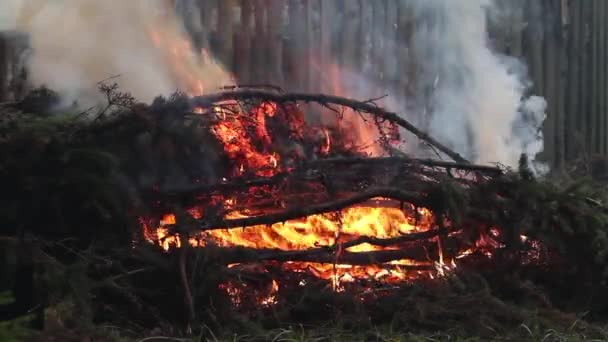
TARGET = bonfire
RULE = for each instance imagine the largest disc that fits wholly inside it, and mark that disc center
(292, 198)
(241, 196)
(257, 197)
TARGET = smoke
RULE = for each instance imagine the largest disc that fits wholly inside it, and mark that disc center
(77, 43)
(477, 104)
(469, 96)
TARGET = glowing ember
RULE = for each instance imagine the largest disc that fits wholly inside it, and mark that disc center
(271, 299)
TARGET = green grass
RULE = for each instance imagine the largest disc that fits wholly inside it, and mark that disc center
(14, 330)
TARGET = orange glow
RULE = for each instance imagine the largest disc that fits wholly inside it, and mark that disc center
(363, 131)
(238, 141)
(317, 231)
(271, 299)
(192, 72)
(327, 146)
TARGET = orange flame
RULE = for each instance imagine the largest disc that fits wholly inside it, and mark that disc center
(238, 142)
(316, 231)
(246, 135)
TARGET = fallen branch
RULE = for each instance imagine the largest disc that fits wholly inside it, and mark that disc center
(207, 101)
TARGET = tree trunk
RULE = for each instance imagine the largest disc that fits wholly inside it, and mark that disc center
(351, 44)
(378, 41)
(206, 18)
(367, 25)
(596, 129)
(552, 30)
(391, 56)
(295, 50)
(407, 69)
(275, 41)
(572, 124)
(225, 32)
(4, 65)
(516, 33)
(533, 46)
(324, 61)
(260, 65)
(562, 62)
(243, 53)
(585, 89)
(311, 47)
(603, 72)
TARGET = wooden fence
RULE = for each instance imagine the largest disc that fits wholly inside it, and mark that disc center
(294, 43)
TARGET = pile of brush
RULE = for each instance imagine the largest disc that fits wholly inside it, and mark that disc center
(77, 186)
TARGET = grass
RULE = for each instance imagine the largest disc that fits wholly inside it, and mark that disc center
(301, 334)
(528, 331)
(15, 331)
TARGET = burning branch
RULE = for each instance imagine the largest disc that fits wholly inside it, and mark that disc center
(208, 101)
(295, 213)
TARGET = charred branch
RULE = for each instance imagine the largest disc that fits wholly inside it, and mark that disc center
(243, 184)
(490, 170)
(207, 101)
(295, 213)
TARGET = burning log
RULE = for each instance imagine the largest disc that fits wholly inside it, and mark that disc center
(338, 254)
(328, 216)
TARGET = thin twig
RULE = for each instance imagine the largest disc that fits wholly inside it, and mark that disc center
(372, 100)
(109, 78)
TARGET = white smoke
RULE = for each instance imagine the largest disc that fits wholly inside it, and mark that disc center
(478, 103)
(467, 96)
(77, 43)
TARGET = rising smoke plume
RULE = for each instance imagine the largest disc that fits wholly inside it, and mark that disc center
(77, 43)
(479, 103)
(468, 96)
